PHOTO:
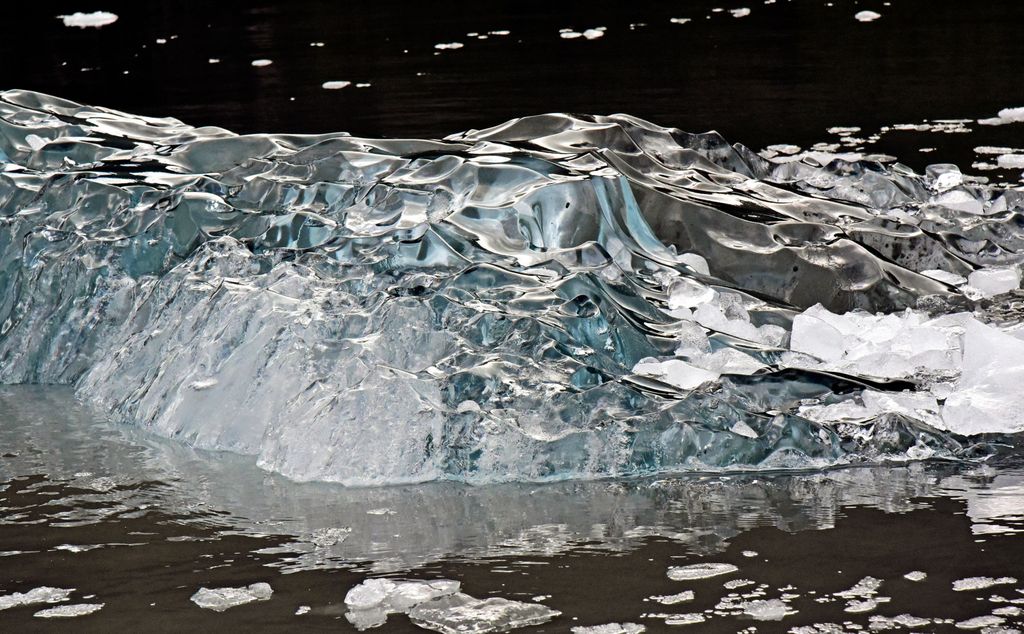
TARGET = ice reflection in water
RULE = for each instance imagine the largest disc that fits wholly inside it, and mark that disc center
(92, 471)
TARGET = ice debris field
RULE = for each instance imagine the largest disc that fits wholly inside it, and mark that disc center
(554, 297)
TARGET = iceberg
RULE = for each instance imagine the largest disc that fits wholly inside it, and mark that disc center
(555, 297)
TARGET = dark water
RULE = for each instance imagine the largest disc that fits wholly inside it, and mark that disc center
(783, 74)
(171, 520)
(165, 520)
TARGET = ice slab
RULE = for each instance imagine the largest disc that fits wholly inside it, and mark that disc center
(69, 611)
(700, 571)
(42, 594)
(220, 599)
(95, 19)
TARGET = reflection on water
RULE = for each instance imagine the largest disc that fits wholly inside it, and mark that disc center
(89, 471)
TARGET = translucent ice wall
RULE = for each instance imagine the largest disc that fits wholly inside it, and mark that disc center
(556, 297)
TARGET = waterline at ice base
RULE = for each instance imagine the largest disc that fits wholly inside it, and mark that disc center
(557, 297)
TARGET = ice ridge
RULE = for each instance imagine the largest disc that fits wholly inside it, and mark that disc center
(555, 297)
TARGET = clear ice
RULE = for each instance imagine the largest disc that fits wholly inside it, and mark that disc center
(556, 297)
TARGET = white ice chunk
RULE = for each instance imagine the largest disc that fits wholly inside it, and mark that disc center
(981, 622)
(335, 85)
(766, 610)
(867, 16)
(69, 611)
(740, 13)
(675, 372)
(700, 571)
(992, 281)
(459, 613)
(672, 599)
(43, 594)
(448, 46)
(687, 293)
(610, 628)
(915, 575)
(971, 584)
(988, 397)
(259, 63)
(593, 34)
(220, 599)
(95, 19)
(1006, 115)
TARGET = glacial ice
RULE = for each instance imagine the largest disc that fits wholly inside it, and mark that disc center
(220, 599)
(555, 297)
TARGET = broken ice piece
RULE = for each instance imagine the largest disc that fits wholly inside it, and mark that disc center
(460, 612)
(43, 594)
(69, 611)
(867, 16)
(220, 599)
(95, 19)
(992, 281)
(699, 571)
(980, 583)
(610, 628)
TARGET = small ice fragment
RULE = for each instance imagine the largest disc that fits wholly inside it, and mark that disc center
(95, 19)
(213, 60)
(610, 628)
(679, 20)
(866, 587)
(915, 575)
(675, 372)
(68, 611)
(220, 599)
(317, 44)
(749, 553)
(867, 16)
(979, 622)
(161, 40)
(303, 609)
(742, 429)
(364, 85)
(463, 613)
(593, 34)
(76, 548)
(569, 34)
(769, 610)
(699, 571)
(445, 46)
(672, 599)
(737, 583)
(740, 13)
(380, 511)
(980, 583)
(691, 618)
(43, 594)
(861, 606)
(1011, 161)
(329, 536)
(335, 85)
(35, 141)
(1006, 115)
(262, 62)
(202, 384)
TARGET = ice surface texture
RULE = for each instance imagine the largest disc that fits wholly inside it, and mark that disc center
(556, 297)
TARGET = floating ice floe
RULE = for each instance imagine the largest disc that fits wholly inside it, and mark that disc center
(43, 594)
(259, 63)
(740, 13)
(439, 606)
(1005, 116)
(69, 611)
(700, 571)
(971, 584)
(448, 46)
(335, 85)
(220, 599)
(867, 16)
(95, 19)
(915, 575)
(610, 628)
(672, 599)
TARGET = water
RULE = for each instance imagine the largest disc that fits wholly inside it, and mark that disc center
(885, 541)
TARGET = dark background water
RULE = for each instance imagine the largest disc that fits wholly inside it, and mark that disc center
(783, 74)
